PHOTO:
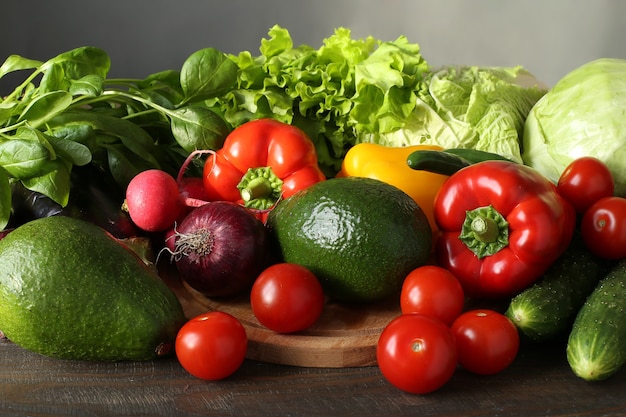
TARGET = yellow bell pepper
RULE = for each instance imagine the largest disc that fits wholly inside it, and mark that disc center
(388, 164)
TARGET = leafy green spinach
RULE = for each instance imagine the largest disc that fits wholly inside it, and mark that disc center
(67, 113)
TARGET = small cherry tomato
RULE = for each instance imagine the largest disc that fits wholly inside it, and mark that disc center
(416, 353)
(584, 181)
(487, 341)
(433, 291)
(287, 298)
(211, 346)
(603, 228)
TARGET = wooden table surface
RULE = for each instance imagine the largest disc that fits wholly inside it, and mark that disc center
(538, 383)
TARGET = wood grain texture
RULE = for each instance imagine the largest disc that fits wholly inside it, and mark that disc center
(538, 383)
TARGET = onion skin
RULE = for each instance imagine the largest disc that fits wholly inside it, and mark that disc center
(220, 248)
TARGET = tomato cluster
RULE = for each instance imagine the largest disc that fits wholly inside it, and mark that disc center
(587, 183)
(418, 352)
(285, 298)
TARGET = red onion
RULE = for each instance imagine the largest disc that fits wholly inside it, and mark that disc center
(220, 248)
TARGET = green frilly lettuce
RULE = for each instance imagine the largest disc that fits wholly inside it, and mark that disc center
(366, 90)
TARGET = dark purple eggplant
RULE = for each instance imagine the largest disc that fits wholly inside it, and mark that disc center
(94, 197)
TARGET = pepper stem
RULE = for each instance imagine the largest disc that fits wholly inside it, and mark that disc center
(260, 188)
(256, 188)
(485, 231)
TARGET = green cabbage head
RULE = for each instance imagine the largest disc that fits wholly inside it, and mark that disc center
(584, 114)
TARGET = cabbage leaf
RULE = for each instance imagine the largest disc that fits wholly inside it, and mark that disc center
(584, 114)
(470, 107)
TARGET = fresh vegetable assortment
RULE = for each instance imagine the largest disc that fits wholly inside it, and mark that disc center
(196, 154)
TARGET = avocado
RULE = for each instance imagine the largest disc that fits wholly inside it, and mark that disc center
(70, 290)
(359, 236)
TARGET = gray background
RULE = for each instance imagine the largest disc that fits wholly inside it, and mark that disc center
(548, 37)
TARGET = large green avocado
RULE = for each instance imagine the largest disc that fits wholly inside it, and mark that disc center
(70, 290)
(359, 236)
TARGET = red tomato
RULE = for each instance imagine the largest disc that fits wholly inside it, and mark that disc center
(433, 291)
(287, 298)
(487, 341)
(416, 353)
(212, 346)
(584, 181)
(603, 228)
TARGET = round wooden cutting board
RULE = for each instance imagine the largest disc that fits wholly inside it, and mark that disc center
(344, 336)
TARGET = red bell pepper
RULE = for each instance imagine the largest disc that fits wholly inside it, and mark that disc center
(502, 224)
(260, 162)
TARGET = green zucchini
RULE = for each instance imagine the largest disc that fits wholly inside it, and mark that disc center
(546, 310)
(448, 161)
(596, 348)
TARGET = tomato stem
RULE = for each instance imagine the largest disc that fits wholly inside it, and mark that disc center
(417, 345)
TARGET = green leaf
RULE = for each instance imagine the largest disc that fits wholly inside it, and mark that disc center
(90, 85)
(45, 107)
(23, 158)
(73, 152)
(131, 135)
(74, 65)
(165, 84)
(123, 165)
(197, 127)
(17, 63)
(74, 130)
(207, 73)
(53, 181)
(5, 199)
(7, 110)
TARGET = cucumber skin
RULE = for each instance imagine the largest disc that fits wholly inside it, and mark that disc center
(449, 161)
(596, 348)
(438, 162)
(475, 155)
(546, 310)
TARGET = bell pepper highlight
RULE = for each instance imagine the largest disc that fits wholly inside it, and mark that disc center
(501, 226)
(389, 164)
(261, 162)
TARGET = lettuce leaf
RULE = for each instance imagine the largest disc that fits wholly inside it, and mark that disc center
(366, 90)
(329, 92)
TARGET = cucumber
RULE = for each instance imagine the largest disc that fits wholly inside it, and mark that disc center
(546, 310)
(438, 162)
(596, 348)
(474, 155)
(449, 161)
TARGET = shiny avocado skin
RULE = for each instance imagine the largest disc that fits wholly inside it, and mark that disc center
(359, 236)
(69, 290)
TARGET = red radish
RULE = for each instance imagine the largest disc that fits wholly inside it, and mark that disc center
(4, 232)
(220, 249)
(153, 200)
(192, 187)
